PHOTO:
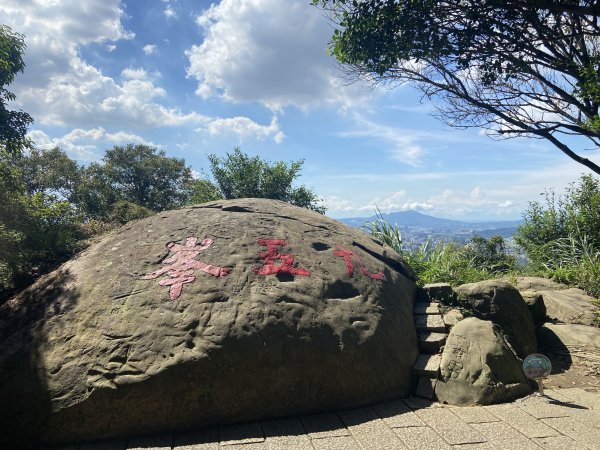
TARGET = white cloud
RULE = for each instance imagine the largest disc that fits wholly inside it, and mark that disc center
(149, 49)
(244, 127)
(110, 48)
(134, 74)
(81, 144)
(59, 88)
(170, 12)
(401, 145)
(269, 51)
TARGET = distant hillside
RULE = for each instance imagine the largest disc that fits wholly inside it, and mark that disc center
(417, 220)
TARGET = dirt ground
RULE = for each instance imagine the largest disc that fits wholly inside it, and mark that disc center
(578, 368)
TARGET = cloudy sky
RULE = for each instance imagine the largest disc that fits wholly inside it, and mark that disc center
(194, 77)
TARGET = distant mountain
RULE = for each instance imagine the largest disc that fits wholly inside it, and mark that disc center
(415, 219)
(404, 218)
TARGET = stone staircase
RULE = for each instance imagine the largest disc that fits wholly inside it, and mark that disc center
(431, 336)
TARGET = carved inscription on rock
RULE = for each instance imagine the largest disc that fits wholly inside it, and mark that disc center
(182, 265)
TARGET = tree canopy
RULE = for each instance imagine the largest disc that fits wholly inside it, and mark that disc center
(514, 67)
(239, 175)
(13, 124)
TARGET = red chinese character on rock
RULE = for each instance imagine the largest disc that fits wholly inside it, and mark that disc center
(182, 266)
(348, 255)
(275, 262)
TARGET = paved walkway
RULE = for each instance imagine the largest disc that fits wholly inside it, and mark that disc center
(570, 420)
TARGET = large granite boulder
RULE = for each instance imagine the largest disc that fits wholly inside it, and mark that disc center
(498, 301)
(222, 312)
(478, 367)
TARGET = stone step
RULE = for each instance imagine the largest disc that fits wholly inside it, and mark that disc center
(426, 308)
(426, 387)
(430, 342)
(429, 322)
(428, 365)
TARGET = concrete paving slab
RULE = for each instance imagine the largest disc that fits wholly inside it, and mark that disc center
(285, 434)
(520, 420)
(427, 365)
(248, 446)
(246, 433)
(336, 443)
(162, 442)
(501, 436)
(579, 397)
(577, 430)
(320, 426)
(473, 414)
(415, 403)
(422, 438)
(450, 426)
(397, 414)
(543, 408)
(206, 439)
(556, 442)
(369, 430)
(430, 323)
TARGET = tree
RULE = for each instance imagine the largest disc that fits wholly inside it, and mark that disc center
(514, 67)
(239, 176)
(575, 217)
(13, 124)
(145, 176)
(50, 171)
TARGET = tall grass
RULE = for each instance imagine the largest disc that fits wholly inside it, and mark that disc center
(573, 260)
(433, 262)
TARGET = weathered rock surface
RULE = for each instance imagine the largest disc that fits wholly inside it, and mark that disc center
(535, 303)
(538, 284)
(556, 336)
(501, 303)
(452, 317)
(478, 367)
(570, 306)
(156, 328)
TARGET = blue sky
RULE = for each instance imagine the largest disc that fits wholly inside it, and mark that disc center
(195, 78)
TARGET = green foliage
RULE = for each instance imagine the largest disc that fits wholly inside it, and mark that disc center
(123, 211)
(144, 175)
(480, 259)
(37, 231)
(241, 176)
(203, 190)
(513, 67)
(50, 171)
(13, 124)
(561, 238)
(574, 217)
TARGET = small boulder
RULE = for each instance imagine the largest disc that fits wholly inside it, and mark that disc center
(570, 306)
(478, 367)
(501, 303)
(535, 302)
(452, 317)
